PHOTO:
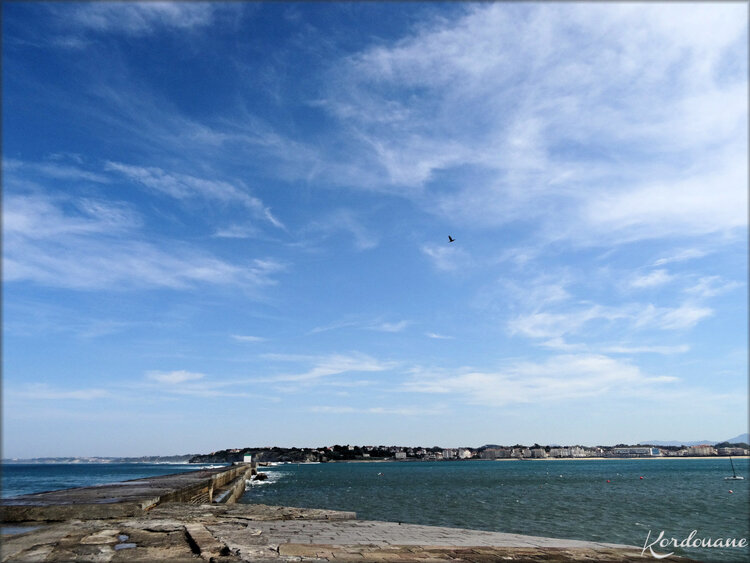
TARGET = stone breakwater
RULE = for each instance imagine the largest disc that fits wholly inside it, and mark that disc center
(129, 498)
(173, 518)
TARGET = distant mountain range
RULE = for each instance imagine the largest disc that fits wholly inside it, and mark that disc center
(741, 439)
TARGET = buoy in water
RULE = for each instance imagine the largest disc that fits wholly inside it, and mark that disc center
(641, 477)
(607, 480)
(731, 491)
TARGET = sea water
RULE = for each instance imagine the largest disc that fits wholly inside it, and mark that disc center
(594, 500)
(613, 501)
(26, 478)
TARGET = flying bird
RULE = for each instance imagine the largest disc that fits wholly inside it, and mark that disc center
(450, 238)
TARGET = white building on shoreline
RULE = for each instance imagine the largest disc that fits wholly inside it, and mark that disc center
(701, 450)
(636, 452)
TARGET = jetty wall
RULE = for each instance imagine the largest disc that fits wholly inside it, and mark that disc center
(129, 498)
(205, 491)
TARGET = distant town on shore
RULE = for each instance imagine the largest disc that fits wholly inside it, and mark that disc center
(436, 453)
(489, 451)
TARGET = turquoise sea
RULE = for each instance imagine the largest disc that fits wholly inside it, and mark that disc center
(554, 498)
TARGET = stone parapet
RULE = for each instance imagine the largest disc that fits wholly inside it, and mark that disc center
(127, 498)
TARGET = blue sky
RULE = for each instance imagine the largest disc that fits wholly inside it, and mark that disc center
(226, 225)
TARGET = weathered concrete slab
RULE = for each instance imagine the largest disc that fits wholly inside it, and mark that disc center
(392, 533)
(39, 537)
(257, 533)
(423, 554)
(62, 512)
(203, 542)
(245, 512)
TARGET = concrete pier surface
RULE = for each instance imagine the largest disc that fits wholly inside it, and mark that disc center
(240, 532)
(174, 525)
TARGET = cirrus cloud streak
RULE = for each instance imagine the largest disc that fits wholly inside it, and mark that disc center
(560, 378)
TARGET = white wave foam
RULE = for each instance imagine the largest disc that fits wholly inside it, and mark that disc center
(272, 477)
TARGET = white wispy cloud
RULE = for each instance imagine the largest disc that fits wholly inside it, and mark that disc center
(683, 317)
(141, 18)
(543, 135)
(553, 326)
(147, 122)
(30, 317)
(681, 256)
(665, 350)
(237, 231)
(343, 220)
(347, 323)
(710, 286)
(377, 324)
(559, 344)
(437, 336)
(336, 364)
(447, 258)
(403, 411)
(338, 409)
(78, 263)
(39, 217)
(563, 377)
(542, 324)
(54, 168)
(390, 327)
(534, 291)
(43, 391)
(652, 279)
(676, 206)
(182, 383)
(92, 244)
(248, 338)
(174, 377)
(184, 186)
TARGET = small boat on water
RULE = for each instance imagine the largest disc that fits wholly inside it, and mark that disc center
(734, 476)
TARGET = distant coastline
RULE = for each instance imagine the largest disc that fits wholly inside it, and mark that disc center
(622, 458)
(489, 452)
(153, 459)
(337, 453)
(548, 459)
(93, 461)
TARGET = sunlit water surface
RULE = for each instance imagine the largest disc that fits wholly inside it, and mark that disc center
(601, 500)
